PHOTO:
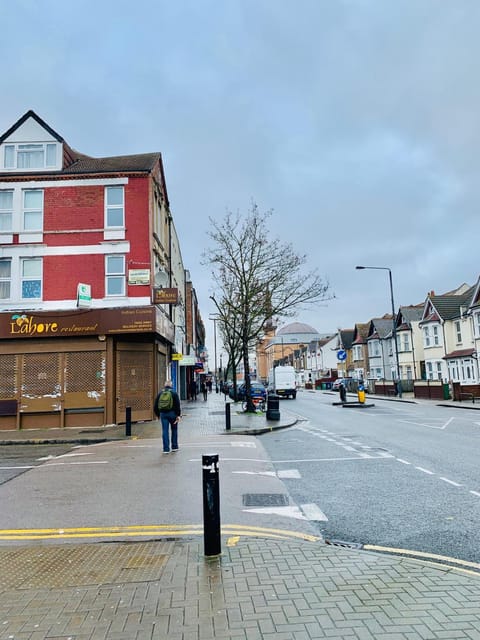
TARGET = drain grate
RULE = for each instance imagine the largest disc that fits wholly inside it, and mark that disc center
(344, 544)
(265, 500)
(216, 413)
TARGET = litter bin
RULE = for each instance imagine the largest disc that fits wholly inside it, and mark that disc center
(446, 391)
(324, 386)
(273, 404)
(328, 385)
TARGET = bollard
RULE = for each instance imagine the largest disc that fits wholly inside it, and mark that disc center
(211, 505)
(361, 393)
(128, 421)
(343, 393)
(228, 420)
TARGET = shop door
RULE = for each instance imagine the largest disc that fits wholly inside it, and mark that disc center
(134, 382)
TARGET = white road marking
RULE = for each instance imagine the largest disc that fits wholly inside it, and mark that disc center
(19, 467)
(360, 457)
(430, 426)
(272, 474)
(455, 484)
(71, 464)
(403, 461)
(289, 512)
(475, 493)
(430, 473)
(289, 473)
(72, 455)
(313, 512)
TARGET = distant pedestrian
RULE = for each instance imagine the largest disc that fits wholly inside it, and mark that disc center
(203, 389)
(167, 408)
(209, 385)
(193, 390)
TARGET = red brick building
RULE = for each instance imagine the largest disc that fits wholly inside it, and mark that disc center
(83, 242)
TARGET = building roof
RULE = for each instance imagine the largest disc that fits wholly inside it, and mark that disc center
(447, 306)
(115, 164)
(79, 163)
(381, 327)
(297, 327)
(460, 353)
(346, 337)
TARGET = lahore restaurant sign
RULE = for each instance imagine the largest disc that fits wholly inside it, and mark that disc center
(77, 323)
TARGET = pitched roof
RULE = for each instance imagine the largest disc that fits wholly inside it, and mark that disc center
(460, 353)
(381, 327)
(346, 337)
(412, 313)
(360, 332)
(139, 162)
(79, 163)
(448, 306)
(26, 116)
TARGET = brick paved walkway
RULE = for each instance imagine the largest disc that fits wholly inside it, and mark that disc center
(259, 589)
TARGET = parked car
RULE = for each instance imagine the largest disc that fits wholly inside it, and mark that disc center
(345, 381)
(257, 390)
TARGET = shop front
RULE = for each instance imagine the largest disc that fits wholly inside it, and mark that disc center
(81, 367)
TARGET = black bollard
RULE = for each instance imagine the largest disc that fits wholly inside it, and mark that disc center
(211, 505)
(228, 420)
(343, 393)
(128, 421)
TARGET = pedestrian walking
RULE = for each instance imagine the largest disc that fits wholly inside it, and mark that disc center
(209, 385)
(193, 390)
(167, 408)
(203, 389)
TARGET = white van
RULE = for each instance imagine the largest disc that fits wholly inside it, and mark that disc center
(281, 380)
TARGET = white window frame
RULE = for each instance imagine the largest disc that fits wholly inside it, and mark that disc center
(405, 342)
(431, 336)
(24, 278)
(458, 331)
(15, 151)
(357, 352)
(29, 210)
(7, 211)
(374, 348)
(6, 280)
(476, 324)
(114, 276)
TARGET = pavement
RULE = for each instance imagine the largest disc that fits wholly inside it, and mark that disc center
(266, 583)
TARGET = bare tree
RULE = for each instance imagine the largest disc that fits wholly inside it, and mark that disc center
(257, 278)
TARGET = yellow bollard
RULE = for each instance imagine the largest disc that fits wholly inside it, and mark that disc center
(361, 393)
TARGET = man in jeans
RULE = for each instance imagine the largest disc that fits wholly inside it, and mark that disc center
(167, 408)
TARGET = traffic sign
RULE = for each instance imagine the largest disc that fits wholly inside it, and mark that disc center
(341, 355)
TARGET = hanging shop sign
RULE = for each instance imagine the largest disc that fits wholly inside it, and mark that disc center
(165, 296)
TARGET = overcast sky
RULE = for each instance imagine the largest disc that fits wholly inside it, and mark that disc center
(356, 121)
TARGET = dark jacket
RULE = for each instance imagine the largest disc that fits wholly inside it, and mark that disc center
(176, 402)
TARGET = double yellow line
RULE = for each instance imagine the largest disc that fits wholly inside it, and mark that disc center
(138, 531)
(432, 559)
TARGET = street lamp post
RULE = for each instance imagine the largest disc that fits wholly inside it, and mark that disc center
(214, 318)
(394, 326)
